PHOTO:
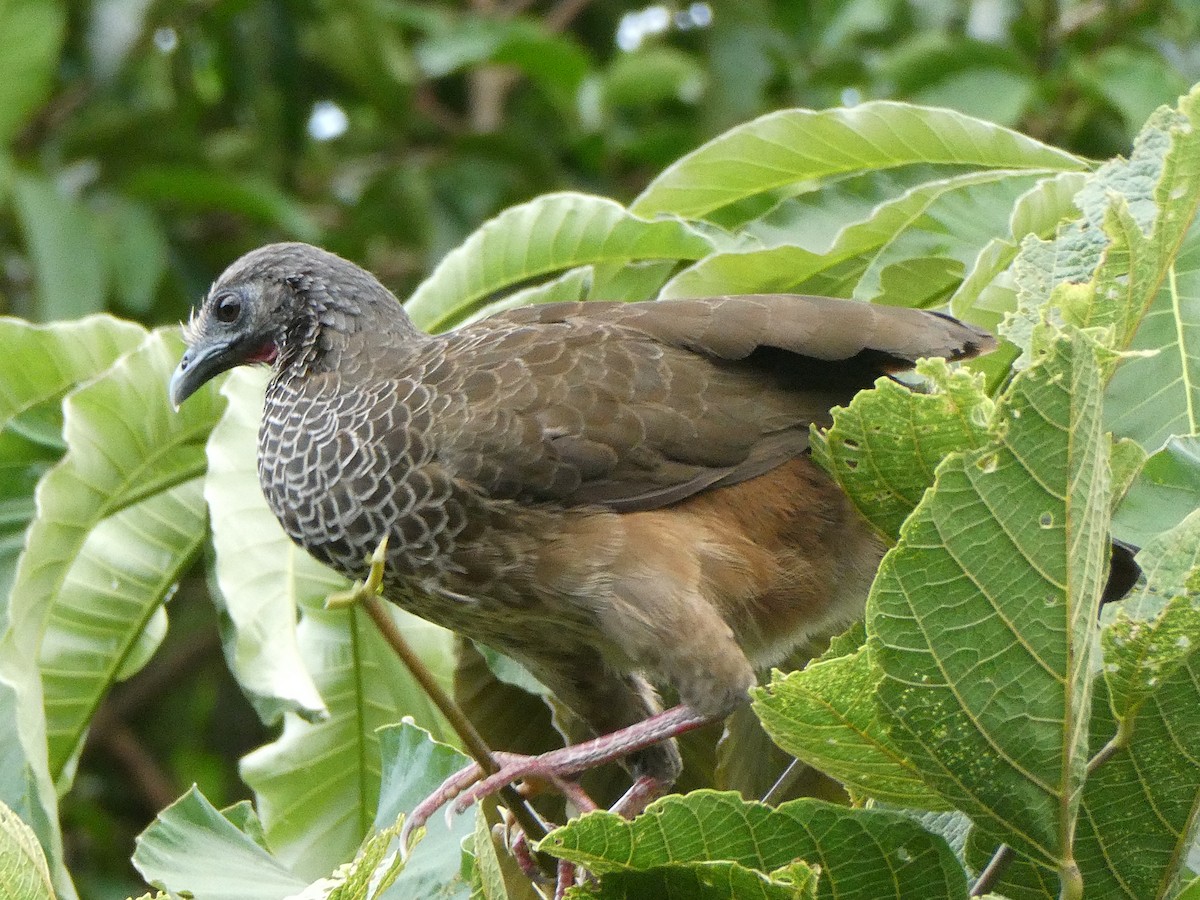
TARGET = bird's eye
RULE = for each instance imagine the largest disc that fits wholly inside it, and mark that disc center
(229, 308)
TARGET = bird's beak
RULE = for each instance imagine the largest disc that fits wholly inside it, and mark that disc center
(198, 365)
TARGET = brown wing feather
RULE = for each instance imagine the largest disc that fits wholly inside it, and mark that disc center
(637, 406)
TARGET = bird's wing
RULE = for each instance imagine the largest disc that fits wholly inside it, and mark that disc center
(637, 406)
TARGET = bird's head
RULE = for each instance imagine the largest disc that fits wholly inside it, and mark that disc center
(275, 304)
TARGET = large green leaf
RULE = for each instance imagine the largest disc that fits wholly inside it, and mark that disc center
(987, 292)
(861, 853)
(795, 145)
(911, 249)
(541, 238)
(317, 786)
(109, 617)
(125, 445)
(39, 365)
(1166, 489)
(1140, 808)
(982, 617)
(1135, 248)
(31, 34)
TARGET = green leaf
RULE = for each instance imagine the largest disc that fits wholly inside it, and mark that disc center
(23, 871)
(1156, 629)
(539, 238)
(825, 716)
(883, 448)
(919, 234)
(317, 785)
(488, 880)
(40, 364)
(553, 61)
(1140, 808)
(415, 765)
(651, 76)
(191, 846)
(1133, 250)
(1138, 815)
(796, 145)
(125, 445)
(108, 617)
(982, 617)
(31, 35)
(70, 265)
(987, 292)
(374, 869)
(22, 464)
(1168, 333)
(1166, 489)
(861, 853)
(998, 94)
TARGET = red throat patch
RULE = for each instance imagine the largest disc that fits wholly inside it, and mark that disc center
(264, 354)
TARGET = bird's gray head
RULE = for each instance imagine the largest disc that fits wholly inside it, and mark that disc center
(275, 304)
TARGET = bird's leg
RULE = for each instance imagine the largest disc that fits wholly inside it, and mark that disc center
(559, 766)
(578, 758)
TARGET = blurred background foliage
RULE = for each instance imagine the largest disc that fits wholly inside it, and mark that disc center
(144, 144)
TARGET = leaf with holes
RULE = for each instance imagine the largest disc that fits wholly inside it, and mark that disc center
(884, 447)
(983, 617)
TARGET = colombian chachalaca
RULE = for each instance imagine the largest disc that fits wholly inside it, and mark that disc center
(613, 494)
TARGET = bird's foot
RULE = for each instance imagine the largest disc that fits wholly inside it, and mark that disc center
(361, 590)
(560, 767)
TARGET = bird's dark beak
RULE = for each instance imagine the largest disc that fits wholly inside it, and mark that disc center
(198, 365)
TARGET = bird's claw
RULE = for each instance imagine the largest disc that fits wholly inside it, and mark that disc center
(362, 590)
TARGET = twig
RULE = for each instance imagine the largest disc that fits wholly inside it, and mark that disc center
(1115, 743)
(786, 779)
(992, 872)
(472, 741)
(112, 736)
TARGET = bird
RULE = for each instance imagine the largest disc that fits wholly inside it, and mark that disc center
(619, 496)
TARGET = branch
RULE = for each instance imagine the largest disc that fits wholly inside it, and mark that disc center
(992, 872)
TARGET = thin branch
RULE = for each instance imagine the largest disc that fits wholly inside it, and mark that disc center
(788, 778)
(144, 774)
(1117, 742)
(472, 741)
(992, 872)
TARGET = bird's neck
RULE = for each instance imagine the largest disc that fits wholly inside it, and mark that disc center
(332, 337)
